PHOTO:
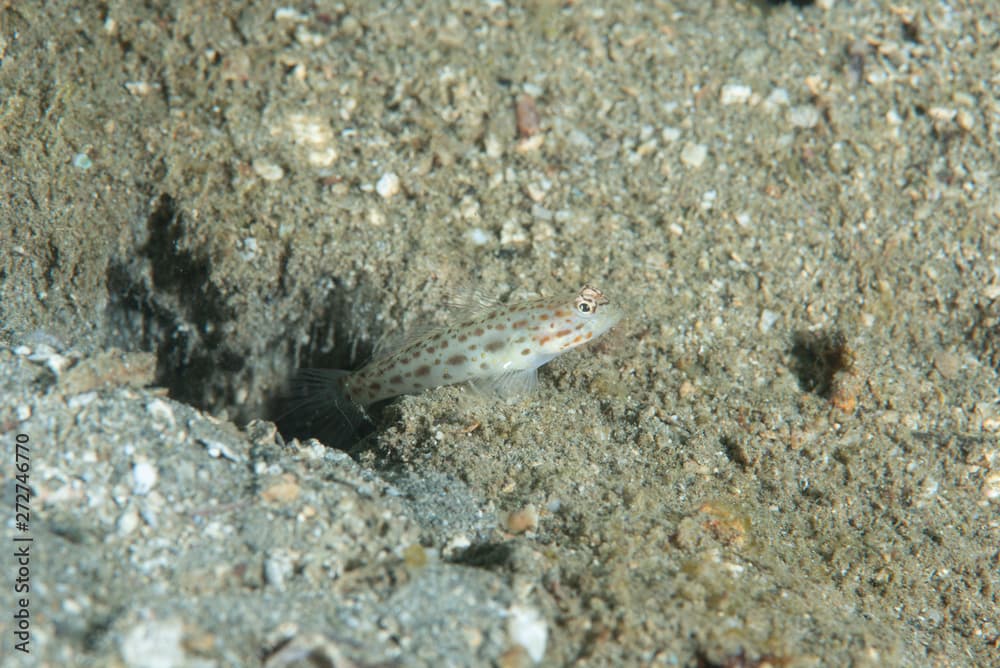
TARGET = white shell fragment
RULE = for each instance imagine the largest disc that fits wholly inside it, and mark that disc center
(154, 644)
(735, 94)
(693, 155)
(314, 135)
(217, 449)
(388, 185)
(528, 629)
(160, 411)
(144, 477)
(803, 116)
(267, 170)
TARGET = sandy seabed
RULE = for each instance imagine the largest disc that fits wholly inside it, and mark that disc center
(787, 454)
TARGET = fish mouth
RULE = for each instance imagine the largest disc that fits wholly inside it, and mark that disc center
(609, 316)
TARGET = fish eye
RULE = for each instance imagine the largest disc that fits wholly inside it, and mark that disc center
(588, 300)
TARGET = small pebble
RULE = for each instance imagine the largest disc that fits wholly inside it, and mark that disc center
(514, 657)
(493, 146)
(735, 94)
(991, 486)
(127, 522)
(513, 234)
(777, 98)
(388, 185)
(942, 114)
(82, 161)
(528, 629)
(478, 236)
(160, 411)
(282, 492)
(267, 170)
(528, 122)
(140, 88)
(947, 364)
(539, 212)
(767, 320)
(693, 155)
(529, 144)
(216, 449)
(535, 192)
(278, 567)
(670, 134)
(458, 543)
(314, 134)
(525, 519)
(289, 14)
(708, 199)
(154, 644)
(964, 120)
(144, 477)
(580, 139)
(47, 355)
(415, 556)
(803, 116)
(248, 248)
(81, 400)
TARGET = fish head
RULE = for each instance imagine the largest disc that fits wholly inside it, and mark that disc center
(568, 324)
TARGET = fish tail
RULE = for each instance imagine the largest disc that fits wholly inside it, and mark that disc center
(319, 407)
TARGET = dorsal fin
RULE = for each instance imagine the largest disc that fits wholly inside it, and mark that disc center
(463, 306)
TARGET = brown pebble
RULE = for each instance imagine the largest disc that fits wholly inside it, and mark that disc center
(525, 519)
(948, 364)
(844, 389)
(515, 657)
(285, 491)
(528, 123)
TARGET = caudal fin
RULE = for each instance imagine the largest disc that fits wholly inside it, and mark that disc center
(317, 407)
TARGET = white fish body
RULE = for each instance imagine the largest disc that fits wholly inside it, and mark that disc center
(499, 349)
